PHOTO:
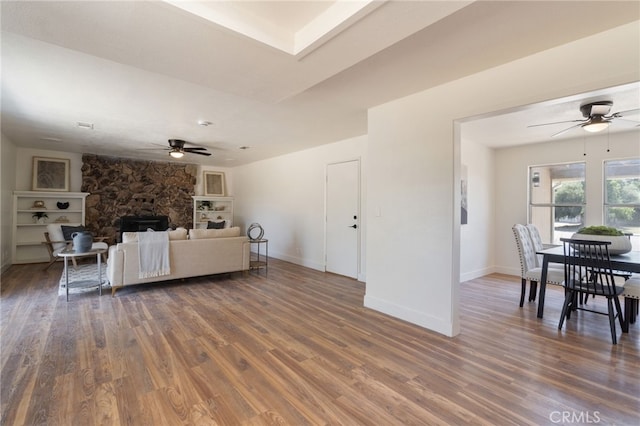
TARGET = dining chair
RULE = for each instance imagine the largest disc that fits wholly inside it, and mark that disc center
(538, 245)
(631, 296)
(530, 269)
(587, 271)
(536, 240)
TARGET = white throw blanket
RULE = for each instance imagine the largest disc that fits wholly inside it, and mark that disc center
(153, 252)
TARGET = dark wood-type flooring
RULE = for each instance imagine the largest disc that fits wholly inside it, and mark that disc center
(296, 347)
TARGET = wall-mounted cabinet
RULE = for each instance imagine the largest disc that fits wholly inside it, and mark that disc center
(32, 211)
(214, 209)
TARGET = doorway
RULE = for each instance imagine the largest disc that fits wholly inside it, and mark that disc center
(342, 232)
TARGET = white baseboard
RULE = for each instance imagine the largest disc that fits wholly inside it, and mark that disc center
(299, 261)
(318, 266)
(476, 274)
(410, 315)
(507, 270)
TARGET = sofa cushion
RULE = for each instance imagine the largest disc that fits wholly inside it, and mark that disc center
(177, 234)
(199, 234)
(129, 237)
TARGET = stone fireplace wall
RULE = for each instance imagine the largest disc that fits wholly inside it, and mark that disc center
(126, 187)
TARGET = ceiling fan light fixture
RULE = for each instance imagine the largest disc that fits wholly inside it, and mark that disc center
(597, 124)
(176, 154)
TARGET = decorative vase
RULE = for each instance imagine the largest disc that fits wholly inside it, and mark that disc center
(619, 244)
(82, 241)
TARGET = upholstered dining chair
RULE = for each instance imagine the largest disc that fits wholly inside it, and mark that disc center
(536, 240)
(631, 296)
(529, 268)
(587, 271)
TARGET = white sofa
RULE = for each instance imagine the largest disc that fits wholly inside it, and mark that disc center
(203, 252)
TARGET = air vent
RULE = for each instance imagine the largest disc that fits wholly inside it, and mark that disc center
(88, 126)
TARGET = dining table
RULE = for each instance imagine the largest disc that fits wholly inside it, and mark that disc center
(627, 262)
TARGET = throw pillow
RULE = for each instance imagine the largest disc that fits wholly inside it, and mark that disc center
(198, 234)
(178, 234)
(67, 231)
(215, 225)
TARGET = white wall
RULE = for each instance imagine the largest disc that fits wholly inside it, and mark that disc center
(477, 236)
(286, 195)
(7, 185)
(413, 239)
(512, 166)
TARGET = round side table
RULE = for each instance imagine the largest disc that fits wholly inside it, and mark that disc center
(69, 253)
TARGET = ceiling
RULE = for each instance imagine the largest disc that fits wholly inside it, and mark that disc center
(273, 76)
(510, 128)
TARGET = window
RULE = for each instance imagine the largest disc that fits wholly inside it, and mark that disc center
(622, 197)
(557, 200)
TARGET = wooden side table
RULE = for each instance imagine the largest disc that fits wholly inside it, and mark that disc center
(70, 253)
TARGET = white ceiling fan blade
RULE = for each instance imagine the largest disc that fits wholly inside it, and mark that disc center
(566, 130)
(625, 113)
(558, 122)
(618, 120)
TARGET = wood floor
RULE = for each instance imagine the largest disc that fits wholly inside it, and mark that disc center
(296, 347)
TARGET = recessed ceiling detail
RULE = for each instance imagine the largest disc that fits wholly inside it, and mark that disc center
(296, 28)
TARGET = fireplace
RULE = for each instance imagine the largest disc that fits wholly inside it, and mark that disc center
(143, 223)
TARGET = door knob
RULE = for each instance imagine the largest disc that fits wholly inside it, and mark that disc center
(354, 226)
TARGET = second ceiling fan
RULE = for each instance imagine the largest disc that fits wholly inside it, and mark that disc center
(596, 117)
(177, 149)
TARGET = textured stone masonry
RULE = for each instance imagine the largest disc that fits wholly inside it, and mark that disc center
(126, 187)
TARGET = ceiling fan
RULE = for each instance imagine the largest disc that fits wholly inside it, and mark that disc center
(177, 149)
(595, 117)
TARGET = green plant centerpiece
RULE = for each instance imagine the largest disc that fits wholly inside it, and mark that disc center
(600, 230)
(620, 243)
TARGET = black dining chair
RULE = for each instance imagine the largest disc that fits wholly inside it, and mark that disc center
(587, 271)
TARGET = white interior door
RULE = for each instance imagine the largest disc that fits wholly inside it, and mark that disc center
(343, 218)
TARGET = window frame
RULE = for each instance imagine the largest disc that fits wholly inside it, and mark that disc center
(551, 239)
(605, 198)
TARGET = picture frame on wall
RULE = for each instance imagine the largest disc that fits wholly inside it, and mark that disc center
(214, 184)
(50, 174)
